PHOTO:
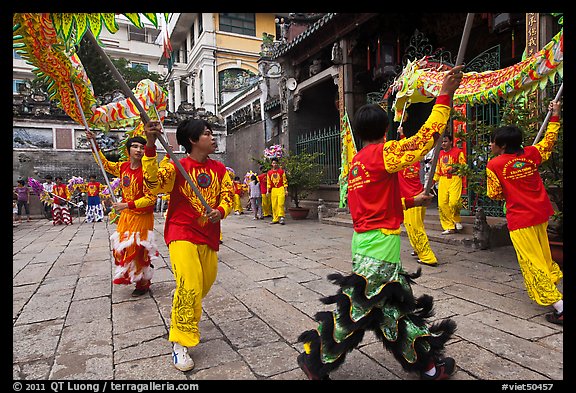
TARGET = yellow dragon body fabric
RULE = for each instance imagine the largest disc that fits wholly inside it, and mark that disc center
(418, 84)
(47, 41)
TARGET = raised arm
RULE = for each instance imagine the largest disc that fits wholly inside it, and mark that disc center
(404, 152)
(546, 145)
(159, 179)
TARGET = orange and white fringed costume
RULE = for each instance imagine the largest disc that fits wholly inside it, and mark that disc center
(60, 210)
(133, 244)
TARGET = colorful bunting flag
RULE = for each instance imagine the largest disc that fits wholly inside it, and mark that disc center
(348, 146)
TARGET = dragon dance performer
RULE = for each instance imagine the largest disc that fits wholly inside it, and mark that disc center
(60, 210)
(94, 210)
(239, 191)
(449, 186)
(410, 186)
(277, 187)
(133, 243)
(512, 175)
(377, 295)
(266, 201)
(191, 233)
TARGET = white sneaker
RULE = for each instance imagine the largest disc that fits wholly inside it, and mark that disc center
(459, 226)
(282, 221)
(448, 232)
(182, 361)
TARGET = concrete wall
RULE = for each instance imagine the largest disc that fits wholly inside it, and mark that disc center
(244, 144)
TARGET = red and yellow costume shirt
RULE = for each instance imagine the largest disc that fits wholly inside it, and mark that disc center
(240, 188)
(92, 190)
(276, 178)
(373, 187)
(185, 219)
(262, 180)
(445, 160)
(515, 178)
(138, 197)
(409, 180)
(61, 190)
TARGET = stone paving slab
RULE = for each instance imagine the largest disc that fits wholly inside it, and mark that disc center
(71, 323)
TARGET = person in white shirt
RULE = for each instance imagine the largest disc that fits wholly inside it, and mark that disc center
(255, 197)
(48, 186)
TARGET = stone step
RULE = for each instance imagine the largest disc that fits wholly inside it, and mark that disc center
(498, 237)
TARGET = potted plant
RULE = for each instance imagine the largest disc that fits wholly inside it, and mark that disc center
(304, 175)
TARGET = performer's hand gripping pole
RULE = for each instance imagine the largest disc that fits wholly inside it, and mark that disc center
(403, 110)
(547, 119)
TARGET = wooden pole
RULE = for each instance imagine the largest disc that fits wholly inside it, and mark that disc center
(547, 119)
(459, 60)
(126, 89)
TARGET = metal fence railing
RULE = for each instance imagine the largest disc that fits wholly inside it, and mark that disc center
(327, 142)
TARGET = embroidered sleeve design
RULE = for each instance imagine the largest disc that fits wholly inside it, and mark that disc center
(493, 186)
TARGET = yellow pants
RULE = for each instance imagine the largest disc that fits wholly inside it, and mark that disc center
(414, 224)
(266, 205)
(541, 273)
(278, 198)
(449, 201)
(194, 267)
(238, 204)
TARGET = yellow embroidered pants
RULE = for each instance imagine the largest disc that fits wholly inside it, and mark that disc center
(194, 267)
(449, 201)
(278, 198)
(414, 224)
(541, 273)
(266, 205)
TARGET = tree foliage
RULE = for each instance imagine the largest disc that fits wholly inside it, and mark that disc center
(103, 81)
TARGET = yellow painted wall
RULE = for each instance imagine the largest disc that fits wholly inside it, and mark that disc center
(228, 42)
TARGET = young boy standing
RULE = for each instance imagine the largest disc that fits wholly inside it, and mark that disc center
(191, 233)
(449, 186)
(94, 210)
(277, 187)
(60, 210)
